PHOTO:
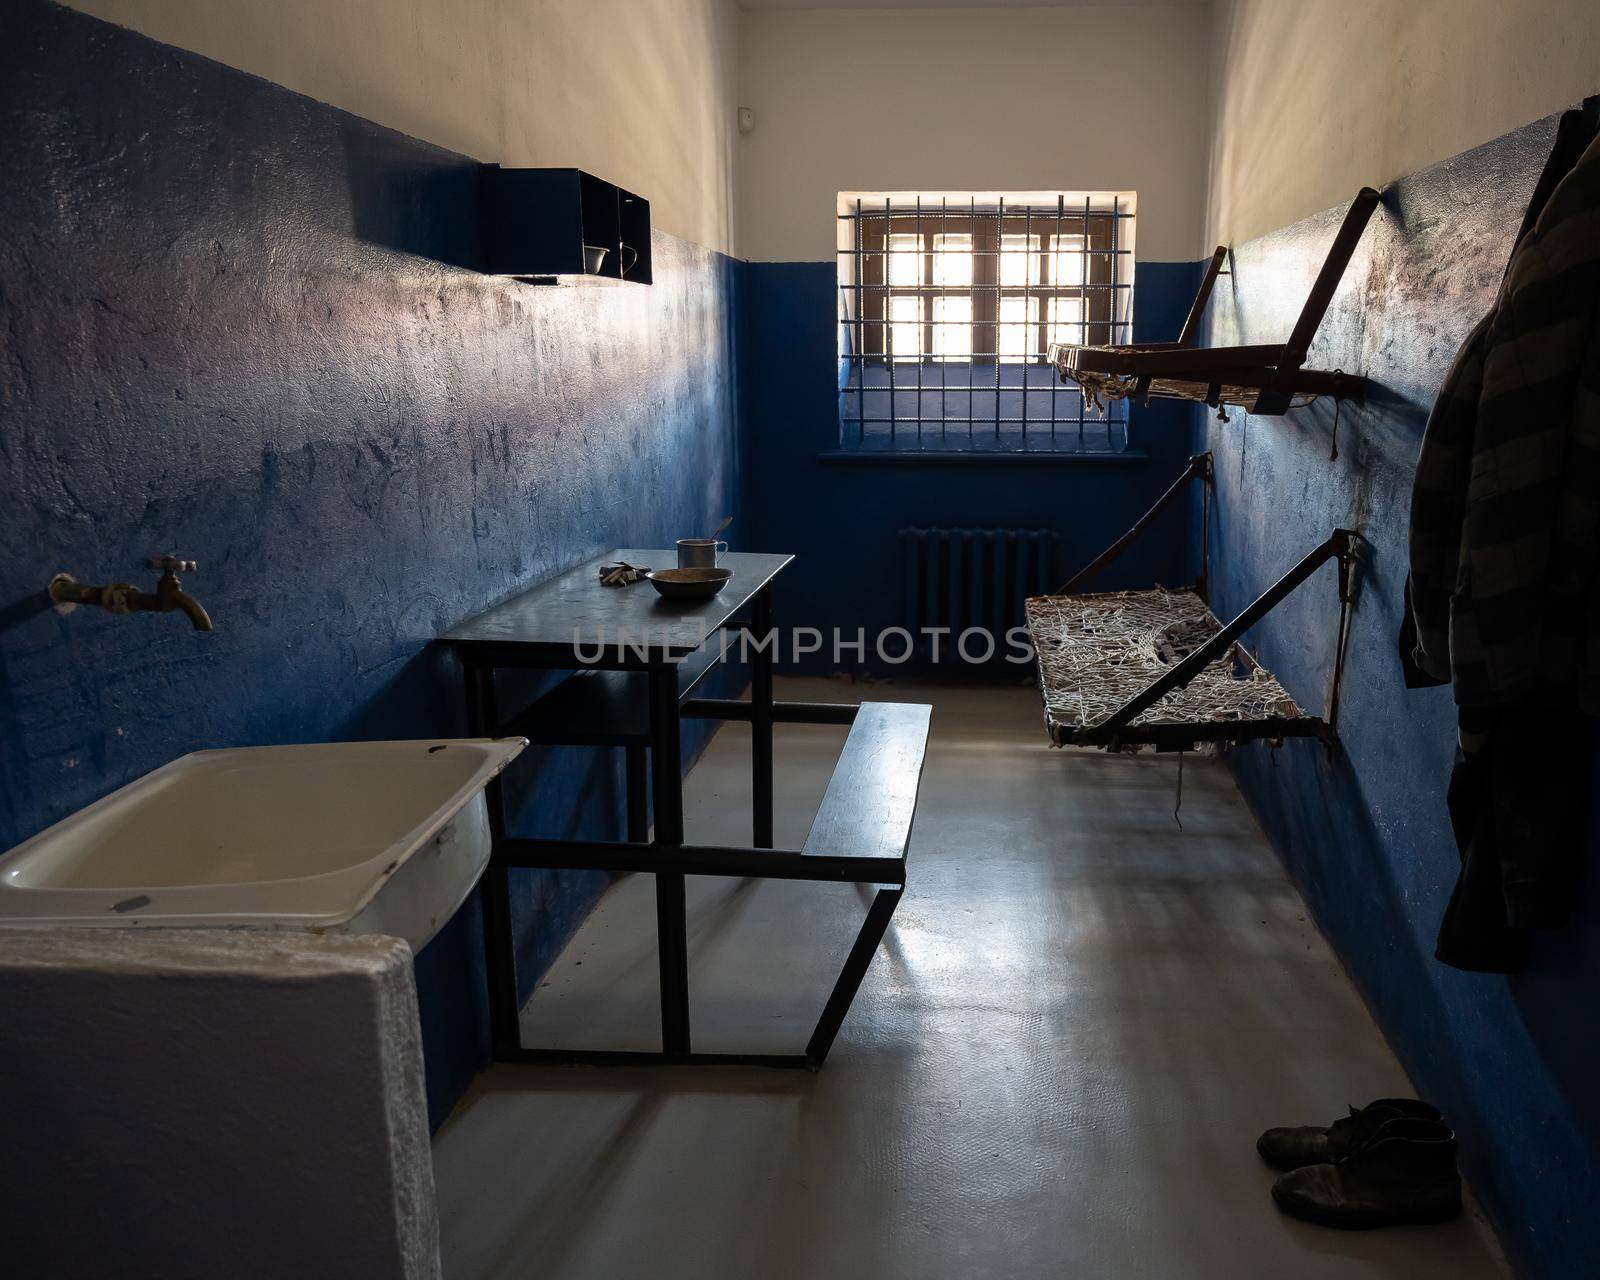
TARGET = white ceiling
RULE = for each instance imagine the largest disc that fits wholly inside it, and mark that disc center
(951, 4)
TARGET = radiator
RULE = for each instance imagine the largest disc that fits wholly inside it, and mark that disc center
(963, 578)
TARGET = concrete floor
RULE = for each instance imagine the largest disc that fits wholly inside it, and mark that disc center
(1082, 1016)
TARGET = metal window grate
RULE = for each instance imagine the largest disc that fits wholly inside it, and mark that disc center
(948, 306)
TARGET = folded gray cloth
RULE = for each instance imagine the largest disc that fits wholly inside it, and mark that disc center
(621, 574)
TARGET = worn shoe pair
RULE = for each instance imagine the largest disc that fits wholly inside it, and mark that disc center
(1389, 1162)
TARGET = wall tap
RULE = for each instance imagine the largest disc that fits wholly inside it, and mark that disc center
(123, 597)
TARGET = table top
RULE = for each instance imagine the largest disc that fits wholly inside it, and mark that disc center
(572, 610)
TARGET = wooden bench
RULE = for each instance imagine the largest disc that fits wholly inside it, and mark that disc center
(866, 817)
(861, 834)
(866, 813)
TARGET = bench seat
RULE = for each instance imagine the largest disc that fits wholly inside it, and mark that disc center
(871, 799)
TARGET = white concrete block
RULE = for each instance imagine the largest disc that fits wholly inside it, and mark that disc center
(185, 1103)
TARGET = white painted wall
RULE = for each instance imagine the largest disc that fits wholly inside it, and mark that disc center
(1084, 98)
(192, 1104)
(639, 93)
(1228, 121)
(1313, 99)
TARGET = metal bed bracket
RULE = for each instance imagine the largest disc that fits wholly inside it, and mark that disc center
(1261, 379)
(1340, 546)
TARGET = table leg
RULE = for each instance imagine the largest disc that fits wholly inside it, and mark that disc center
(500, 959)
(761, 717)
(666, 776)
(635, 764)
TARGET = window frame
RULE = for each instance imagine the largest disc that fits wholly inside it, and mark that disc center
(1095, 231)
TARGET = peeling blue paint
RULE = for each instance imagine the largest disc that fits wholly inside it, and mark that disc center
(1366, 836)
(237, 327)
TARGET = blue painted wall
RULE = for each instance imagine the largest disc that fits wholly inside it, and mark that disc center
(236, 327)
(1513, 1062)
(843, 516)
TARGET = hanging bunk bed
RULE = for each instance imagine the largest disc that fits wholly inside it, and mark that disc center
(1128, 669)
(1268, 379)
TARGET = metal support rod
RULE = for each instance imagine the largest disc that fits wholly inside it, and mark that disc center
(1337, 545)
(855, 969)
(1327, 281)
(761, 716)
(1191, 326)
(1172, 362)
(646, 1058)
(1186, 735)
(1347, 573)
(782, 712)
(671, 909)
(500, 960)
(700, 860)
(1199, 465)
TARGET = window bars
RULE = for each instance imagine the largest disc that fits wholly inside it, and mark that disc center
(948, 308)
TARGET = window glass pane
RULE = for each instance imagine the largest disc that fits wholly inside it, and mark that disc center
(905, 328)
(1019, 259)
(1019, 325)
(1066, 261)
(952, 327)
(905, 260)
(1066, 320)
(952, 261)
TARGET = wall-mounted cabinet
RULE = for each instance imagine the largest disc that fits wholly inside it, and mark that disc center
(540, 224)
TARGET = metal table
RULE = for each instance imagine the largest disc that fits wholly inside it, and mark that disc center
(572, 623)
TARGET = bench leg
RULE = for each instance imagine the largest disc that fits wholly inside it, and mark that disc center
(855, 969)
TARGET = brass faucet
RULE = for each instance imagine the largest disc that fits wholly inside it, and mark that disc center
(124, 597)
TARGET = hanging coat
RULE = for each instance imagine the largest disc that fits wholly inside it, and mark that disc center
(1505, 510)
(1502, 598)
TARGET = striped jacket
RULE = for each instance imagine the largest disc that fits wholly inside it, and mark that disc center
(1505, 507)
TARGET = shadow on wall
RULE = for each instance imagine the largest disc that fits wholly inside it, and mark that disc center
(410, 200)
(1568, 1038)
(234, 332)
(1366, 836)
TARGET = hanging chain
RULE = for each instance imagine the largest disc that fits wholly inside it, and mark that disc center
(1177, 801)
(1347, 573)
(1338, 403)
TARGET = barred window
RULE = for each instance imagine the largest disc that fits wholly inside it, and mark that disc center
(948, 305)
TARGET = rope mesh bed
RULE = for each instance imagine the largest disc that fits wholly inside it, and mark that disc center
(1097, 651)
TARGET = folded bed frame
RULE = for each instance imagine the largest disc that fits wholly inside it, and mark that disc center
(1265, 379)
(1128, 669)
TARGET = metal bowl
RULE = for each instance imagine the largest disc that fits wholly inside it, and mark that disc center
(689, 584)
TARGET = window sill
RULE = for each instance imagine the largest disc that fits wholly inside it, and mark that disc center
(979, 458)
